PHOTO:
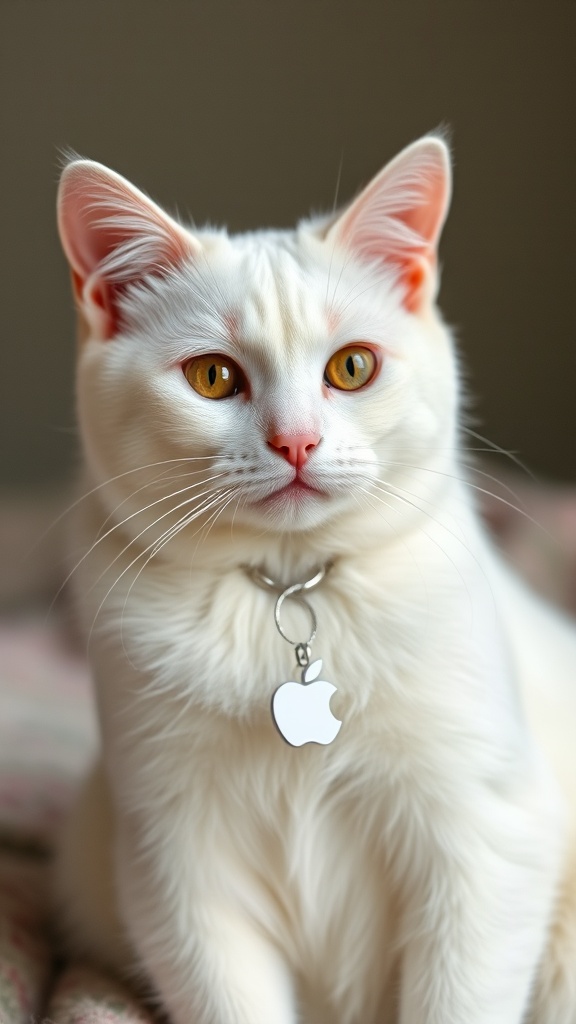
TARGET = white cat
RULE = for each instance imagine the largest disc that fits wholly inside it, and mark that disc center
(288, 401)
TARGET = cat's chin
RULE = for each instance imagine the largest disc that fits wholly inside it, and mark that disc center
(295, 491)
(297, 506)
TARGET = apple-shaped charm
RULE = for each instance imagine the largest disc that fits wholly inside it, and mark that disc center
(302, 712)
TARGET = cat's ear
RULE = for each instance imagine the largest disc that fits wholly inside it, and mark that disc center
(113, 235)
(397, 219)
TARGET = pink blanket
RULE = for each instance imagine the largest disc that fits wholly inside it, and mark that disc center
(48, 736)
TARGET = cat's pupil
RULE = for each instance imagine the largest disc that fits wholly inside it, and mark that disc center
(350, 366)
(212, 375)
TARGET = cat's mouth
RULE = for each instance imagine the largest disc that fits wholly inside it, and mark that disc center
(296, 490)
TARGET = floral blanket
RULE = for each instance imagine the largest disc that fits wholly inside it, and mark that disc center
(48, 737)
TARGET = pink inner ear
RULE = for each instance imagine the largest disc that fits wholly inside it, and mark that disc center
(113, 235)
(426, 218)
(398, 218)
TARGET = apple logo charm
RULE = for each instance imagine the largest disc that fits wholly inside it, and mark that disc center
(302, 712)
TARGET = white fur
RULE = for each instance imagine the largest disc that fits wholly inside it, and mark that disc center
(420, 869)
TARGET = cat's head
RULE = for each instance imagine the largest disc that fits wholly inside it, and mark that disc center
(280, 379)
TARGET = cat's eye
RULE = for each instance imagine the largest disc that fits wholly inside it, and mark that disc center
(351, 368)
(214, 376)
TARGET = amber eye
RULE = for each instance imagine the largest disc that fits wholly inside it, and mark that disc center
(350, 368)
(213, 376)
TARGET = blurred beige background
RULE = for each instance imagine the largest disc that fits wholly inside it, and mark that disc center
(243, 111)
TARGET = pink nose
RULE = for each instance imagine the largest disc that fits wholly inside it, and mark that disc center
(295, 448)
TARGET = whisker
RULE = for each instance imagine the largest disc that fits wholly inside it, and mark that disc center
(501, 451)
(476, 487)
(123, 522)
(150, 526)
(402, 540)
(141, 554)
(431, 448)
(459, 540)
(111, 480)
(516, 508)
(193, 515)
(354, 297)
(343, 266)
(210, 522)
(490, 476)
(337, 189)
(338, 179)
(454, 476)
(349, 257)
(225, 498)
(240, 496)
(161, 476)
(157, 546)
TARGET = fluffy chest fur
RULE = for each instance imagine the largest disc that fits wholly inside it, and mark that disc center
(308, 841)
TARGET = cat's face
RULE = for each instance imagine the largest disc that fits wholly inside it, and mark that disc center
(273, 380)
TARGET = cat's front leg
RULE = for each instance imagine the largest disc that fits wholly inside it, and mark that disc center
(478, 917)
(204, 956)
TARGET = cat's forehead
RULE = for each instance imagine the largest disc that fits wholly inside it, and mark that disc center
(278, 287)
(278, 297)
(273, 291)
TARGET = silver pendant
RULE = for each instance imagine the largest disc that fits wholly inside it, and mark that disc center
(301, 710)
